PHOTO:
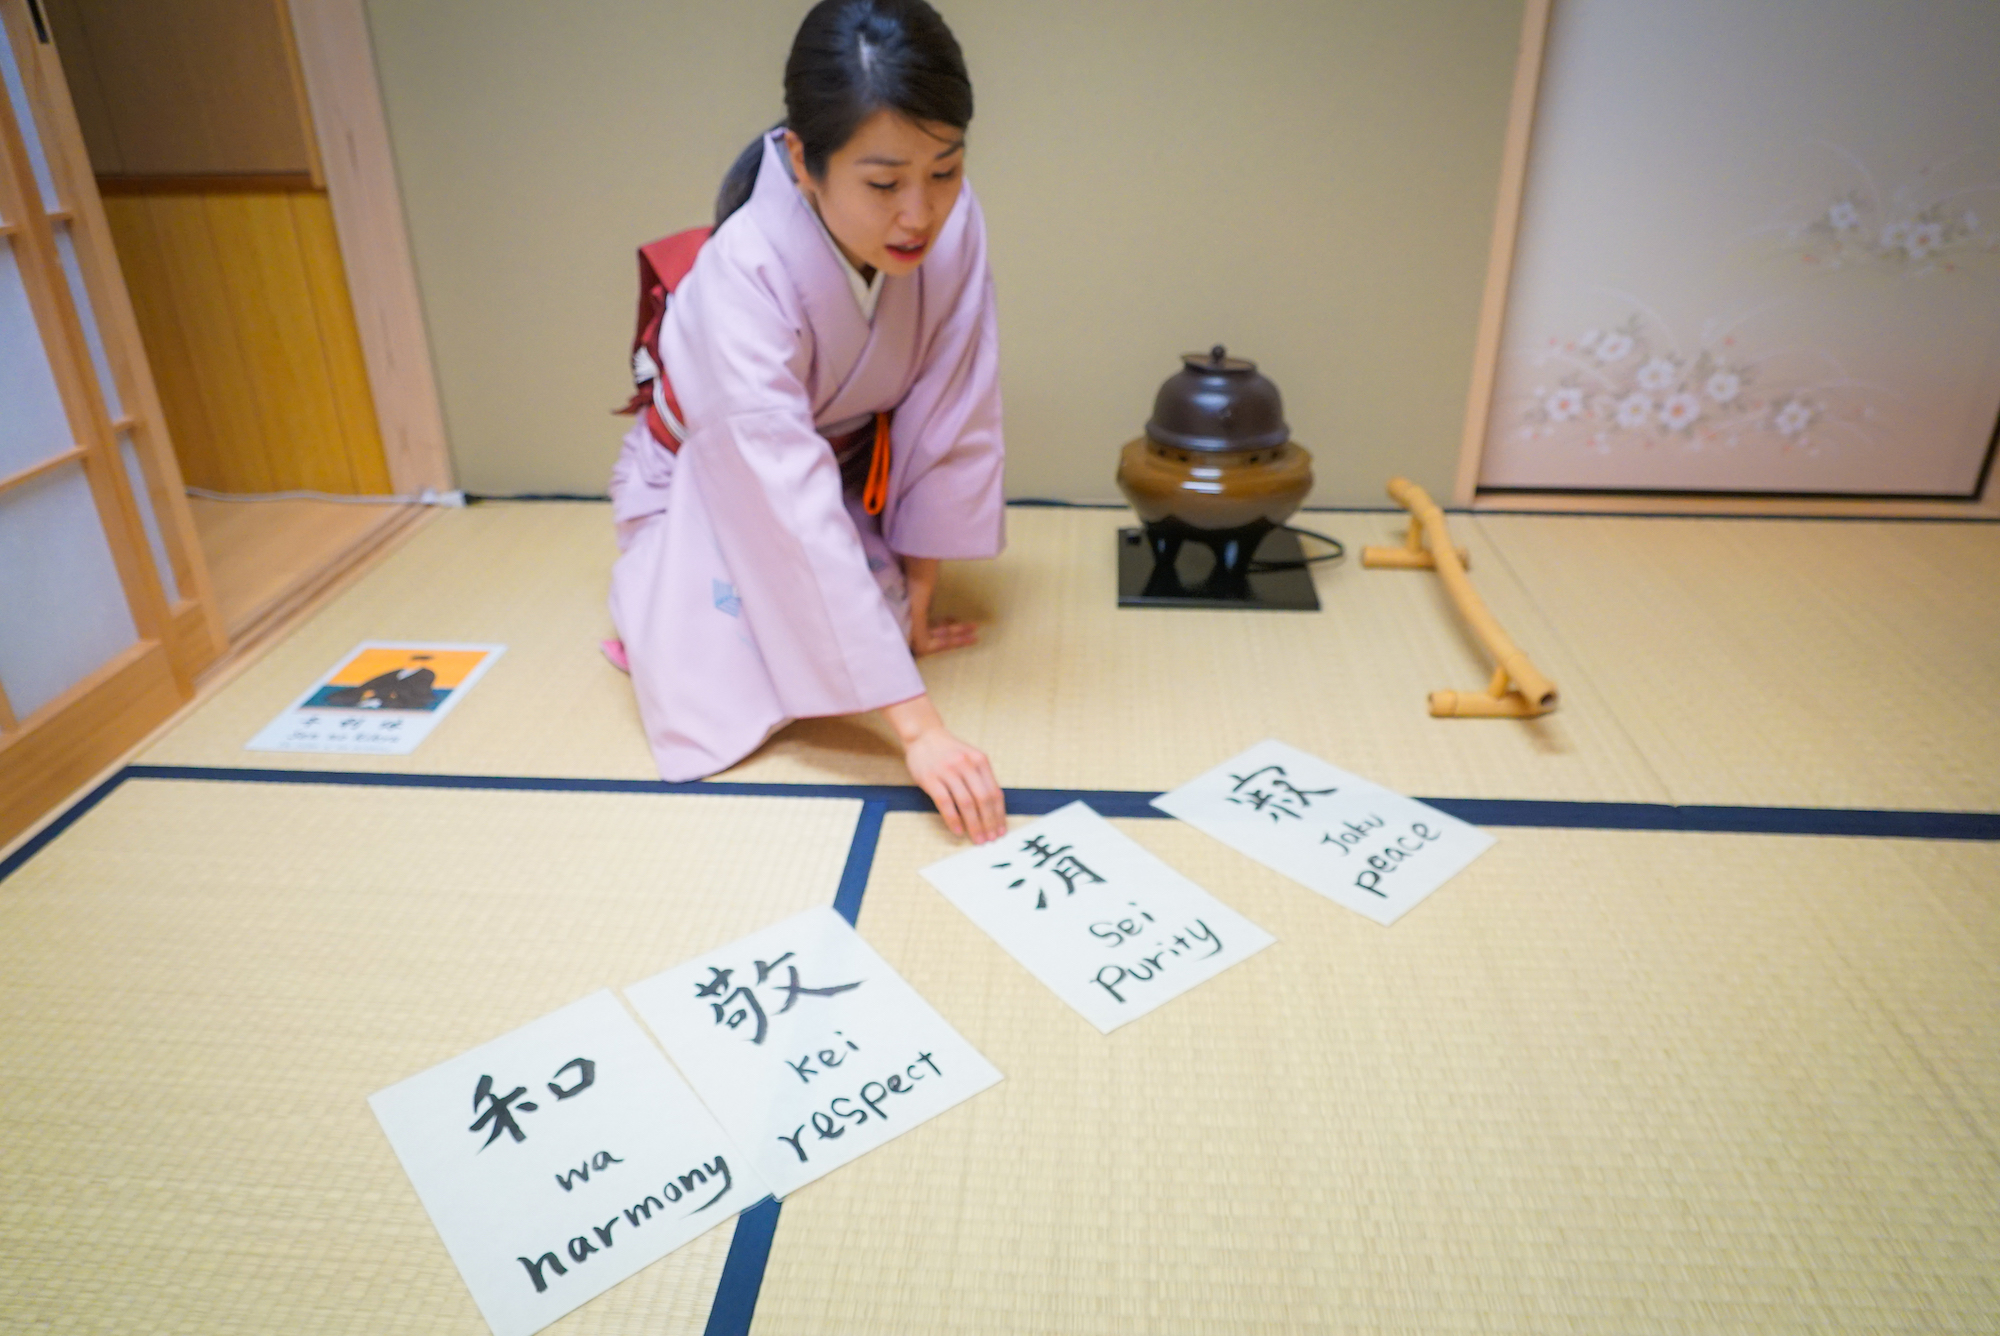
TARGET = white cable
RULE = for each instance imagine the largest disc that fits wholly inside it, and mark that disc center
(430, 496)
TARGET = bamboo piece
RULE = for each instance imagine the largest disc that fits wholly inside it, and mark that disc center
(1518, 690)
(1412, 555)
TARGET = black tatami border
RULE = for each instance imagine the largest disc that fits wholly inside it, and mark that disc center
(742, 1278)
(1864, 822)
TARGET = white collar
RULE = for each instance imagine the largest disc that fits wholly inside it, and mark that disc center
(866, 291)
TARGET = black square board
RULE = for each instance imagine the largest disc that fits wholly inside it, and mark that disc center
(1288, 590)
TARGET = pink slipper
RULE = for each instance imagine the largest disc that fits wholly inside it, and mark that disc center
(614, 650)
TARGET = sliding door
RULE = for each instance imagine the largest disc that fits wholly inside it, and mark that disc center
(104, 609)
(1759, 252)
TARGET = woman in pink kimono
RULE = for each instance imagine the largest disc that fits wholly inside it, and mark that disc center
(821, 423)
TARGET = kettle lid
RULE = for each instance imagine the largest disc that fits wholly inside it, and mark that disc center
(1216, 402)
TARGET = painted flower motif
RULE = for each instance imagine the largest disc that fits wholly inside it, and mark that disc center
(1637, 396)
(1680, 411)
(1658, 375)
(1911, 231)
(1564, 404)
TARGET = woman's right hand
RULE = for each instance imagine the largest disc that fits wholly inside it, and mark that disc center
(956, 775)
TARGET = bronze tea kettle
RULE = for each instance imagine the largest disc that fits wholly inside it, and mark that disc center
(1217, 463)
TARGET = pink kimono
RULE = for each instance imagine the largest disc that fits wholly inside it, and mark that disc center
(752, 588)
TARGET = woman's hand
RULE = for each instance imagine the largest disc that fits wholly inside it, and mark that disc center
(934, 637)
(929, 635)
(956, 775)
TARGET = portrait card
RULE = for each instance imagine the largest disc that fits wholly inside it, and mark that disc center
(381, 699)
(1353, 841)
(807, 1046)
(1108, 927)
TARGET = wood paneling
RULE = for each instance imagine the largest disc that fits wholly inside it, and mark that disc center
(242, 303)
(72, 737)
(196, 185)
(339, 67)
(340, 342)
(191, 87)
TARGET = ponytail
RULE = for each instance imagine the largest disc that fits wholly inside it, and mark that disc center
(740, 179)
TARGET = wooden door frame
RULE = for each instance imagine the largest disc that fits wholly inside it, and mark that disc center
(193, 631)
(1528, 66)
(48, 751)
(337, 61)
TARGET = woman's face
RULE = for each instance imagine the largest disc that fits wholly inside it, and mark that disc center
(887, 190)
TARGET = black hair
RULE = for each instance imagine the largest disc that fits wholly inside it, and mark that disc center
(851, 59)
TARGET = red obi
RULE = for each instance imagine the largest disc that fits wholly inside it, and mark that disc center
(662, 266)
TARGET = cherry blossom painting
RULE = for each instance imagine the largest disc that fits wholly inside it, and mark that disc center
(1758, 253)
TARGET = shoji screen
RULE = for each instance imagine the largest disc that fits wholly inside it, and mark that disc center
(102, 611)
(1759, 252)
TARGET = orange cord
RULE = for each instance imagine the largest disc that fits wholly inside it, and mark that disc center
(875, 494)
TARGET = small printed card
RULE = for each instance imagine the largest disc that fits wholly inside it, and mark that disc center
(1353, 841)
(559, 1159)
(807, 1046)
(382, 699)
(1108, 927)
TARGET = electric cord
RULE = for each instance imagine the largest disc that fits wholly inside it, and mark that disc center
(1339, 551)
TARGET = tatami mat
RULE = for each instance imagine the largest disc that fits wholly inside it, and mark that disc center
(1066, 690)
(530, 576)
(201, 983)
(1826, 664)
(1071, 691)
(1601, 1082)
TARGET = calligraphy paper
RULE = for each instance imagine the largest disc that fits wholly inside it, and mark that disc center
(1109, 928)
(381, 699)
(1353, 841)
(807, 1046)
(559, 1159)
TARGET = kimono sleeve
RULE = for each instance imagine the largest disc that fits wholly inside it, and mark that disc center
(772, 494)
(946, 497)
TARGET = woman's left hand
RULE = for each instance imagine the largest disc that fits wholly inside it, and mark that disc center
(933, 637)
(929, 635)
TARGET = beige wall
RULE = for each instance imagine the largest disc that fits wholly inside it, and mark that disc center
(1308, 181)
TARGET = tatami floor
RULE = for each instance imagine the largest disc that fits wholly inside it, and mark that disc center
(1606, 1080)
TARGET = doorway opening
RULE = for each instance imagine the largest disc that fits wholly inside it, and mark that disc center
(201, 138)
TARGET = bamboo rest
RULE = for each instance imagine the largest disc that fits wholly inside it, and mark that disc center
(1518, 690)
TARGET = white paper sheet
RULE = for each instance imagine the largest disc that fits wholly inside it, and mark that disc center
(559, 1159)
(382, 699)
(1111, 929)
(1351, 840)
(807, 1046)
